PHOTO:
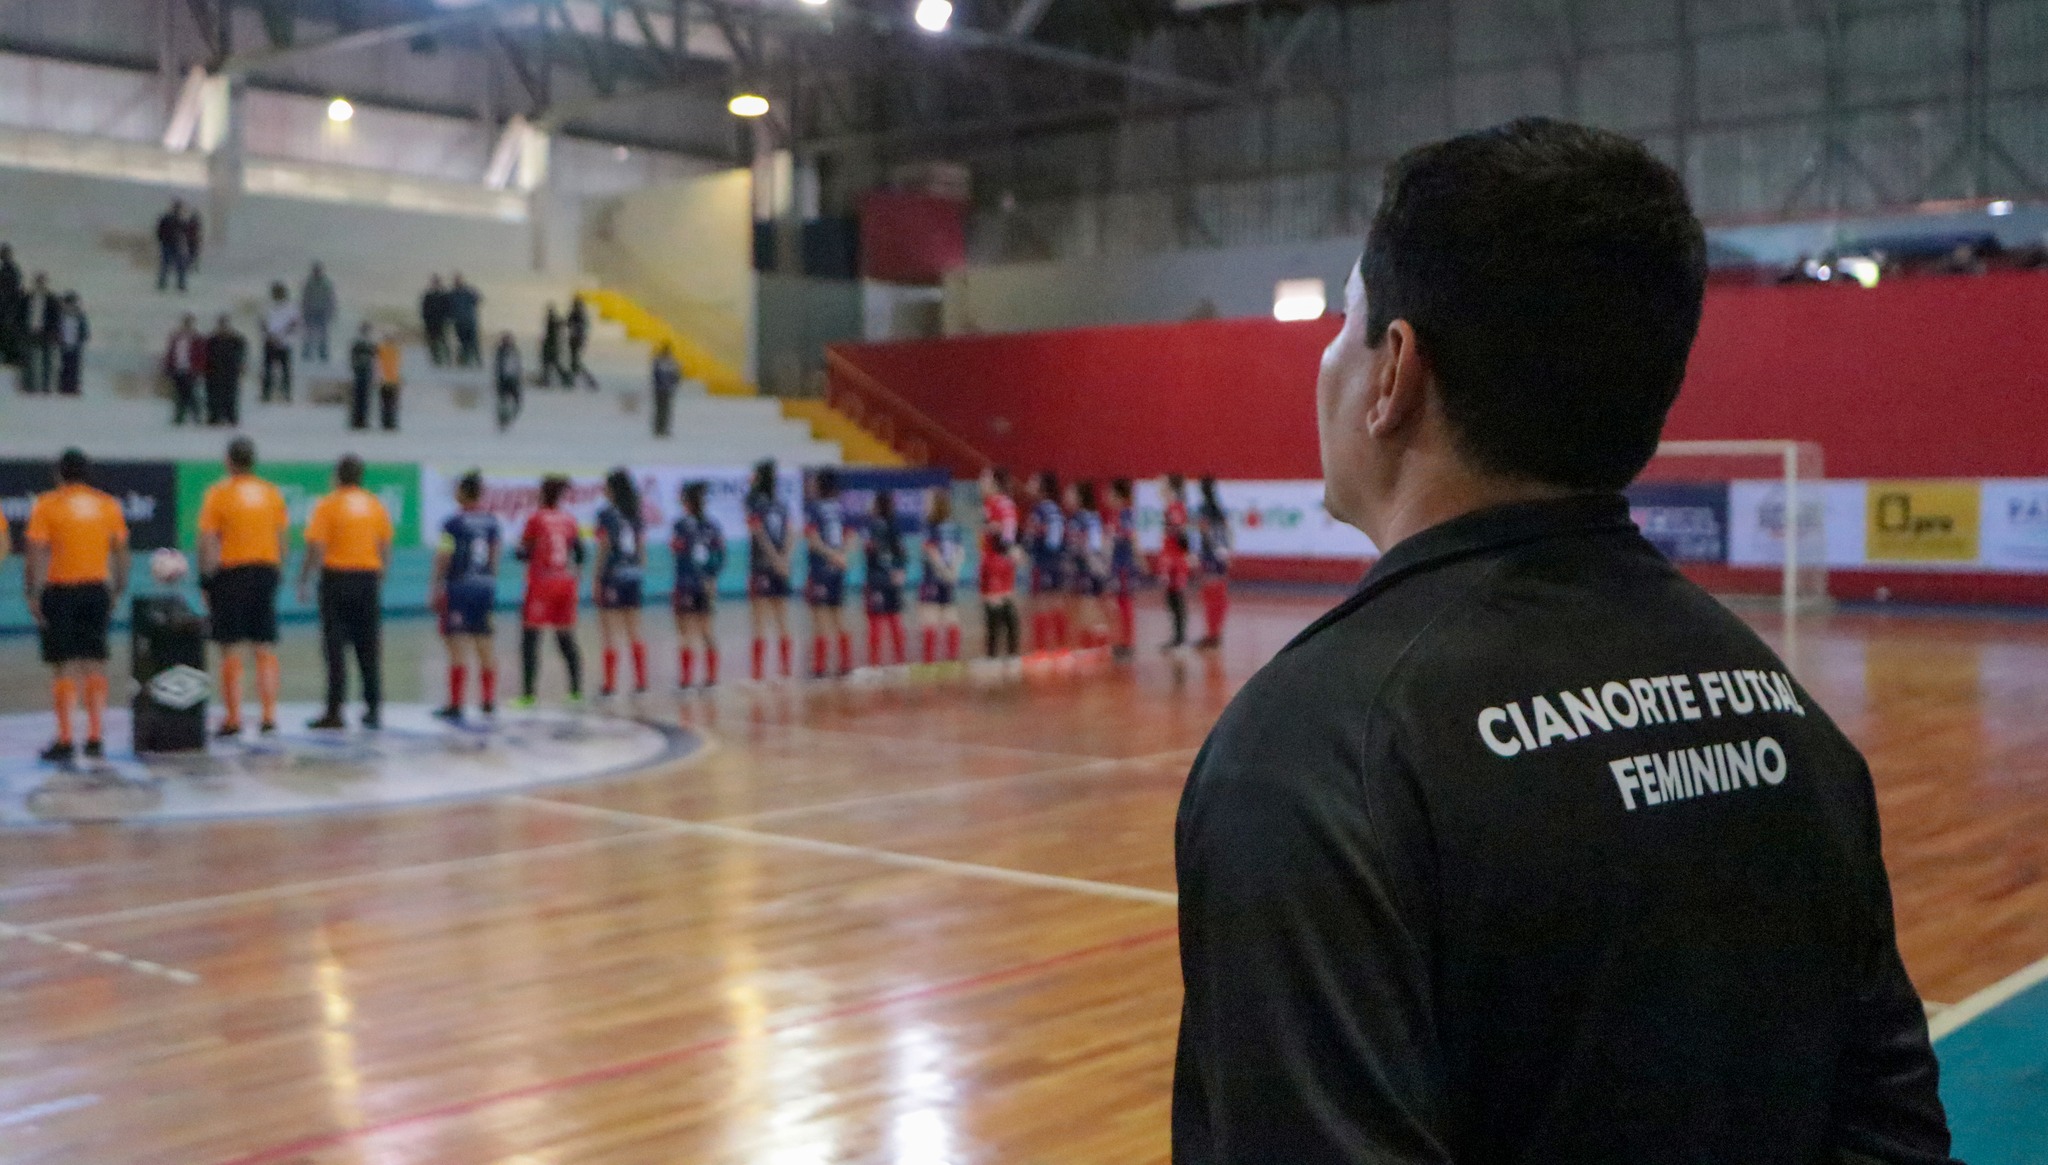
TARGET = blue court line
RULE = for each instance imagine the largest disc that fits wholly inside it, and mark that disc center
(1994, 1081)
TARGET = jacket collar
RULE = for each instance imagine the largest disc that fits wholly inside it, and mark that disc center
(1493, 528)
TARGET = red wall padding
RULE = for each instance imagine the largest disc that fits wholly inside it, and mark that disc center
(1917, 377)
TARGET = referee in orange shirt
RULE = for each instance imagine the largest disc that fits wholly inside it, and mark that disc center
(348, 545)
(77, 568)
(242, 524)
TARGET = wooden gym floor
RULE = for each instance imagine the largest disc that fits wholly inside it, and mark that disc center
(926, 924)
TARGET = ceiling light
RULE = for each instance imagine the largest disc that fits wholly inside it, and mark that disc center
(1300, 299)
(815, 3)
(340, 110)
(2001, 208)
(748, 105)
(934, 15)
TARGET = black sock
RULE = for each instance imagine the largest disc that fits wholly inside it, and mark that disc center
(529, 659)
(1177, 603)
(989, 620)
(566, 640)
(1010, 628)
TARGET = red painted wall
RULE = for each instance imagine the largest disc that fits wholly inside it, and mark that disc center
(906, 237)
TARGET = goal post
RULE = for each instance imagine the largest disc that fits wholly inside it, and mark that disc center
(1743, 517)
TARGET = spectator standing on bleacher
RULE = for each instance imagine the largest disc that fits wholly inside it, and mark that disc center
(434, 318)
(668, 376)
(579, 335)
(73, 330)
(551, 364)
(193, 235)
(185, 363)
(464, 302)
(508, 370)
(389, 359)
(37, 318)
(176, 245)
(316, 309)
(10, 307)
(226, 354)
(280, 328)
(362, 365)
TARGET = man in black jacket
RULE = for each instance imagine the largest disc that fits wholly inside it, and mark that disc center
(1530, 851)
(226, 353)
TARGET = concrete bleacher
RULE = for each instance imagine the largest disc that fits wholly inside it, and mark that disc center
(95, 236)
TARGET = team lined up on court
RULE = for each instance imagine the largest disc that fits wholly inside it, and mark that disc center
(1074, 549)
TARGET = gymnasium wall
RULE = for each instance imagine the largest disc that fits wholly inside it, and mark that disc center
(1916, 378)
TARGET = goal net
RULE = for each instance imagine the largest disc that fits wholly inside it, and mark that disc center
(1742, 518)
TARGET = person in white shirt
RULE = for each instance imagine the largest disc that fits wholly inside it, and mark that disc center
(280, 328)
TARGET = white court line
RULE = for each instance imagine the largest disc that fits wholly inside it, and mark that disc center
(883, 856)
(1975, 1007)
(345, 881)
(951, 787)
(112, 958)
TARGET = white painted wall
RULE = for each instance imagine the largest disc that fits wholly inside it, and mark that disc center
(685, 251)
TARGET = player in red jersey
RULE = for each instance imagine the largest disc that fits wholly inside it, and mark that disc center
(552, 548)
(1173, 556)
(999, 562)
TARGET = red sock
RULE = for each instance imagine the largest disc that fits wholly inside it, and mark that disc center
(896, 638)
(639, 665)
(689, 664)
(875, 641)
(611, 668)
(931, 645)
(761, 657)
(952, 641)
(711, 665)
(784, 647)
(1126, 622)
(487, 686)
(458, 679)
(1215, 602)
(817, 655)
(845, 651)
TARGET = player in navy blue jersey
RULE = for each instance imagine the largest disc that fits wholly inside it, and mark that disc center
(464, 588)
(768, 567)
(1087, 545)
(945, 553)
(1045, 545)
(621, 573)
(825, 538)
(699, 547)
(887, 569)
(1121, 520)
(1212, 559)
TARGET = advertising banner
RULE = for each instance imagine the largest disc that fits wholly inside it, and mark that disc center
(1922, 521)
(1687, 520)
(1830, 522)
(147, 491)
(396, 484)
(2014, 515)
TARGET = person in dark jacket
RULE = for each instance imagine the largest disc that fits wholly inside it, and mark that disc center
(362, 370)
(185, 364)
(551, 365)
(227, 352)
(509, 373)
(195, 235)
(666, 377)
(579, 335)
(37, 318)
(316, 313)
(10, 307)
(175, 246)
(464, 304)
(73, 332)
(434, 318)
(1530, 850)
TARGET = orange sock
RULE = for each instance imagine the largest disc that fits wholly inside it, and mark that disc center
(63, 690)
(231, 689)
(269, 681)
(95, 706)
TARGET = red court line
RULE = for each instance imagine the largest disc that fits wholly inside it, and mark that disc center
(286, 1152)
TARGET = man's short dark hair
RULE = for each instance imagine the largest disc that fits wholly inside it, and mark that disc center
(71, 465)
(349, 470)
(470, 486)
(827, 481)
(1554, 276)
(552, 487)
(241, 455)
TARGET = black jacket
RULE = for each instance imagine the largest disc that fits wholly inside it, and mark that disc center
(1530, 851)
(225, 354)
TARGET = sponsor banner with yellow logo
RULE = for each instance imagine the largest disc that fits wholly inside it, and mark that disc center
(1922, 521)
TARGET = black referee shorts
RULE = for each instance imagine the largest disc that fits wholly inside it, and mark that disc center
(242, 601)
(75, 617)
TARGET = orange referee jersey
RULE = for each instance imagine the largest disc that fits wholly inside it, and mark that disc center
(81, 527)
(248, 515)
(350, 526)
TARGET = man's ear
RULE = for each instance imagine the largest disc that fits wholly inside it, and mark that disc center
(1399, 387)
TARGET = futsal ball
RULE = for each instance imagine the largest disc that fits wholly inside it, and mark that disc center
(168, 567)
